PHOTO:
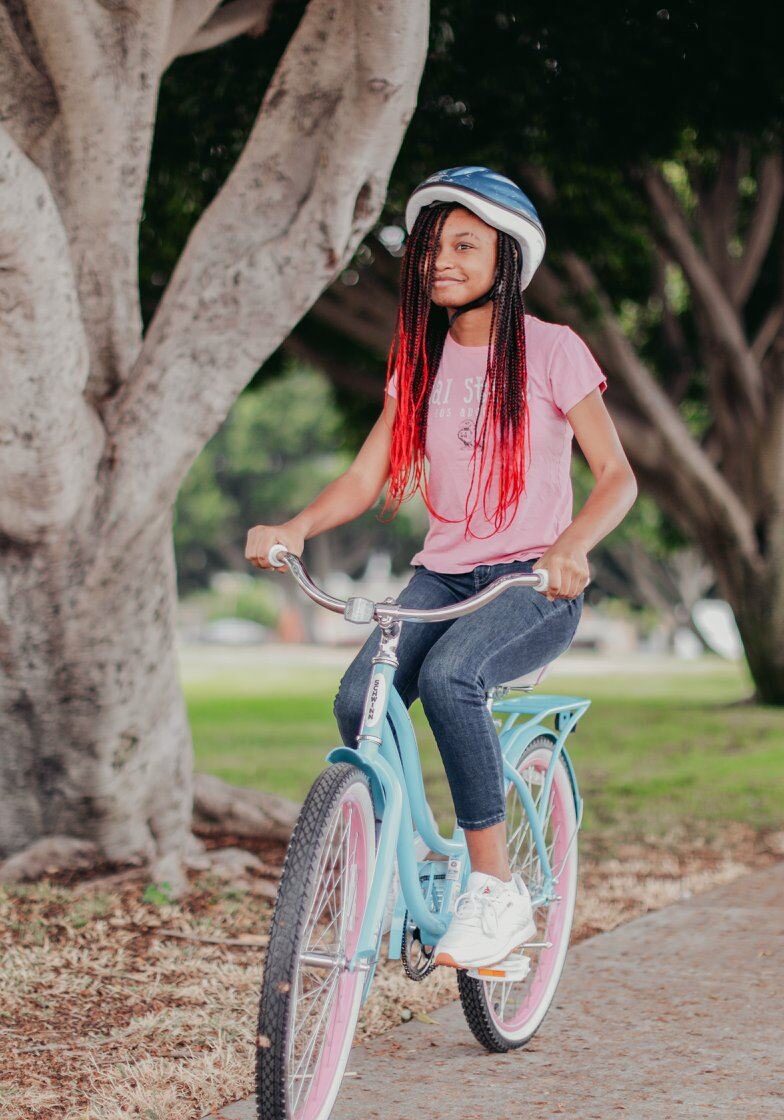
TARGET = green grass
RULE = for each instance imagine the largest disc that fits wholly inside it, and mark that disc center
(652, 752)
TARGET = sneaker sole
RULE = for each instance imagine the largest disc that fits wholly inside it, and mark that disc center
(448, 960)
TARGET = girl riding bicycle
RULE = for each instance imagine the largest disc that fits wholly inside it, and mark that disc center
(490, 396)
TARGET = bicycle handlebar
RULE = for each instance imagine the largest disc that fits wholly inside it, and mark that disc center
(360, 610)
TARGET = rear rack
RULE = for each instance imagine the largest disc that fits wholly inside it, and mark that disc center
(566, 709)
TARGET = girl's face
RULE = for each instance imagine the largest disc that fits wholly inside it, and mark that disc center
(465, 259)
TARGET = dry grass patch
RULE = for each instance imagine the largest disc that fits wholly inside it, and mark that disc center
(105, 1015)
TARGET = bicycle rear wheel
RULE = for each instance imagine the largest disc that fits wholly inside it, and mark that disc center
(504, 1015)
(310, 1002)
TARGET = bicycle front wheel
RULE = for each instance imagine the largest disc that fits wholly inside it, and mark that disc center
(310, 1002)
(503, 1015)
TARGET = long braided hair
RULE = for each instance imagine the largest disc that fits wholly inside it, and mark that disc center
(415, 355)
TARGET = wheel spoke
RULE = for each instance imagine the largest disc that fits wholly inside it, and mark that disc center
(326, 891)
(311, 1000)
(325, 1009)
(325, 930)
(322, 878)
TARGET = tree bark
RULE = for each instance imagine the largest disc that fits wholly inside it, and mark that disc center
(93, 726)
(99, 426)
(244, 812)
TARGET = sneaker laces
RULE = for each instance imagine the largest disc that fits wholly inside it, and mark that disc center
(471, 904)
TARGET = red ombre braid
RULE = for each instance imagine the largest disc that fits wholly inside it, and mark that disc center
(415, 355)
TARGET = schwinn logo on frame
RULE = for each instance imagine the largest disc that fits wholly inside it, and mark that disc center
(375, 702)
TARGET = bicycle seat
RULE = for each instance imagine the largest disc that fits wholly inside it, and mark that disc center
(528, 680)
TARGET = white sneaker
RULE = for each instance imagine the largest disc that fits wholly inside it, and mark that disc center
(491, 919)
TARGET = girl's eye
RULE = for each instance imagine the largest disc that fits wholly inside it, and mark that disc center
(466, 245)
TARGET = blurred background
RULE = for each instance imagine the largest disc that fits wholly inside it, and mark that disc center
(643, 134)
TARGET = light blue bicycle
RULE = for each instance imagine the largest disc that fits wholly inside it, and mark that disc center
(339, 879)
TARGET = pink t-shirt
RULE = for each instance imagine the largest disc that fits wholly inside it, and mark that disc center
(561, 371)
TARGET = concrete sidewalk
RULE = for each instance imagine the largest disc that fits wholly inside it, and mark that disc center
(677, 1015)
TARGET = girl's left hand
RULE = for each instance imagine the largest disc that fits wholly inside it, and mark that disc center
(567, 566)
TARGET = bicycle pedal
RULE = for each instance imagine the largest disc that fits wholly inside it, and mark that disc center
(511, 970)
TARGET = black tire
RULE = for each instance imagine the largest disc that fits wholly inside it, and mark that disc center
(473, 992)
(292, 908)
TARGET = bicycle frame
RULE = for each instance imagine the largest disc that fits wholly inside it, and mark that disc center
(399, 795)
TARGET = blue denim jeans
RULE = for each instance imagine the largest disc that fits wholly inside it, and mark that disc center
(449, 665)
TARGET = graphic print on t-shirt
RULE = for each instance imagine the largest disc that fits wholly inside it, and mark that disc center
(465, 433)
(451, 399)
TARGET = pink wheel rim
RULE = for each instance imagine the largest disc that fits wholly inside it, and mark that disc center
(341, 1013)
(545, 960)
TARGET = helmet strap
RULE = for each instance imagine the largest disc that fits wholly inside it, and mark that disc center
(480, 301)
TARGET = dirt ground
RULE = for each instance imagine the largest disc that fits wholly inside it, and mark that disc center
(116, 1002)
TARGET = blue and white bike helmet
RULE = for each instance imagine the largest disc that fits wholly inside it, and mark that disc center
(493, 198)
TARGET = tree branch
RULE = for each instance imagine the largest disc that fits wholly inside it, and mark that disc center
(650, 577)
(50, 439)
(338, 371)
(767, 333)
(770, 190)
(310, 182)
(243, 812)
(27, 100)
(700, 487)
(673, 336)
(718, 208)
(365, 312)
(718, 309)
(241, 17)
(103, 61)
(200, 25)
(711, 444)
(187, 17)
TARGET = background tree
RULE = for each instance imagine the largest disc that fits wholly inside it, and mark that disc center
(646, 562)
(100, 421)
(651, 142)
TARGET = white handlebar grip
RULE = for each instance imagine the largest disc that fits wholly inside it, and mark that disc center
(544, 578)
(273, 554)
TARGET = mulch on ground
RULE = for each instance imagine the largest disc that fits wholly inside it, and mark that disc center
(116, 1002)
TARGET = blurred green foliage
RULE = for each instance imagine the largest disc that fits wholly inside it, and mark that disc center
(278, 448)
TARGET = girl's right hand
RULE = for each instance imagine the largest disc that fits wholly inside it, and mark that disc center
(261, 538)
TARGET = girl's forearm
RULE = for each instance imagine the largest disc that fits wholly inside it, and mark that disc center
(610, 500)
(340, 501)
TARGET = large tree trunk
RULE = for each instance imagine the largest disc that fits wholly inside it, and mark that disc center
(100, 426)
(94, 732)
(757, 599)
(725, 487)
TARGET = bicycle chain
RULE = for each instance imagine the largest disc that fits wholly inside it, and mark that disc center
(411, 972)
